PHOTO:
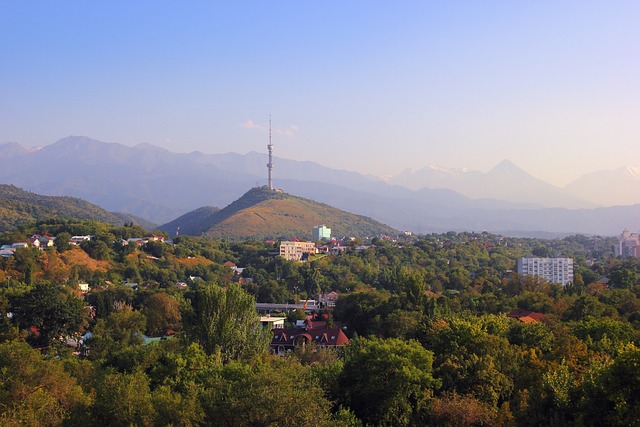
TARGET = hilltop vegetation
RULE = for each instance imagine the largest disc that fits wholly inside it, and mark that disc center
(264, 214)
(430, 340)
(19, 208)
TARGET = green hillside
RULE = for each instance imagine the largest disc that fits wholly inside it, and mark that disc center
(19, 207)
(261, 213)
(134, 219)
(192, 223)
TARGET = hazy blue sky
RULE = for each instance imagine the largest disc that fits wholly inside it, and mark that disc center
(370, 86)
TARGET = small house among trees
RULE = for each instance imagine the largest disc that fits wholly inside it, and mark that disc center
(526, 316)
(287, 339)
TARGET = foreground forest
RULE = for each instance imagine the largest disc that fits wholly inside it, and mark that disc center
(430, 340)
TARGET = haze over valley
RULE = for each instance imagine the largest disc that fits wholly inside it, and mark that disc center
(159, 185)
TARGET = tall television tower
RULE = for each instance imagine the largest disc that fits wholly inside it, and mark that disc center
(270, 164)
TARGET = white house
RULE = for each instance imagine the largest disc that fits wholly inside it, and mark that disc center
(272, 322)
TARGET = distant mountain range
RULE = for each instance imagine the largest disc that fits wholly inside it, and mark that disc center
(607, 188)
(153, 183)
(507, 181)
(265, 214)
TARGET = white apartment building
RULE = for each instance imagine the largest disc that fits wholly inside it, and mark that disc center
(554, 270)
(295, 250)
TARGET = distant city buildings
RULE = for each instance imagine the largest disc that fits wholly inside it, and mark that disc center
(554, 270)
(321, 232)
(296, 251)
(628, 245)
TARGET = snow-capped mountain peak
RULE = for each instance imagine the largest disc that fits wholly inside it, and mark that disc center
(633, 171)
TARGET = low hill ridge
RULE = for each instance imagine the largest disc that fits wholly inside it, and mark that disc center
(19, 207)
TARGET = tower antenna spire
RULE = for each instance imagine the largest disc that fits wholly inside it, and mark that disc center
(270, 164)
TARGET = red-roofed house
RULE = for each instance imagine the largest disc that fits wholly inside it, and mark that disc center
(526, 316)
(287, 339)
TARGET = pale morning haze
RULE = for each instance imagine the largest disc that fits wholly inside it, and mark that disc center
(369, 86)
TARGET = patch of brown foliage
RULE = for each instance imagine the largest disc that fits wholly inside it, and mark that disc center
(193, 261)
(78, 257)
(459, 410)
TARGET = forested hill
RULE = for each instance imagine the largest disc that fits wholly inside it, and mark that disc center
(261, 213)
(19, 207)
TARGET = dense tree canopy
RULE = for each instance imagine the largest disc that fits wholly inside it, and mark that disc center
(387, 381)
(48, 313)
(427, 316)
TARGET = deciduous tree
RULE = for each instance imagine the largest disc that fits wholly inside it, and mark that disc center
(387, 382)
(124, 400)
(50, 309)
(162, 312)
(36, 392)
(117, 331)
(225, 322)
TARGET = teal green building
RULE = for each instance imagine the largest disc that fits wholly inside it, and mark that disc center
(321, 232)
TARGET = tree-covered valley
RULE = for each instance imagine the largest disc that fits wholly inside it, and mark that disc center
(168, 333)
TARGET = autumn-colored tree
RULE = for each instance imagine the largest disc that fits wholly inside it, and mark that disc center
(454, 410)
(37, 392)
(163, 314)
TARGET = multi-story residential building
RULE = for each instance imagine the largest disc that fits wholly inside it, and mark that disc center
(628, 245)
(554, 270)
(296, 250)
(321, 232)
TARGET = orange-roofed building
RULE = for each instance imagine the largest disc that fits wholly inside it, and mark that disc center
(526, 316)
